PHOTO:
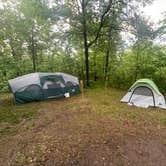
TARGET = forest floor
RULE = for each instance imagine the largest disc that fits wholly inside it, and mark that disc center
(90, 130)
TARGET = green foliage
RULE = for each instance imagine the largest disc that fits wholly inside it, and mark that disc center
(37, 36)
(150, 64)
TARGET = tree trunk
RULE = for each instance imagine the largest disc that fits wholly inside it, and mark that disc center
(137, 64)
(95, 72)
(15, 56)
(33, 51)
(4, 71)
(106, 64)
(86, 47)
(87, 44)
(107, 54)
(87, 65)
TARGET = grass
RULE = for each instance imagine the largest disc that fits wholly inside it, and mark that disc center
(15, 113)
(11, 115)
(88, 127)
(105, 102)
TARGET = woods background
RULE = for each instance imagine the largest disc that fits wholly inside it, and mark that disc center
(110, 41)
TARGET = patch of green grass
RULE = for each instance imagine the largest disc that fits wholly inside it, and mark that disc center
(103, 103)
(7, 130)
(106, 102)
(12, 114)
(9, 112)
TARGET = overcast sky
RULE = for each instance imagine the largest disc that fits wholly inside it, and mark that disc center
(155, 13)
(155, 10)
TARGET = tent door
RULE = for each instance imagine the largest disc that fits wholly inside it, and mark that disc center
(53, 89)
(142, 96)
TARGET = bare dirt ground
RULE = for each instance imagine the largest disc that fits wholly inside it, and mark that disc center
(96, 130)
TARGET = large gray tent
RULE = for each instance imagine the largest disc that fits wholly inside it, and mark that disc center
(42, 86)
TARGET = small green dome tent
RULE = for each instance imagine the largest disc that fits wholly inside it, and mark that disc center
(144, 93)
(43, 86)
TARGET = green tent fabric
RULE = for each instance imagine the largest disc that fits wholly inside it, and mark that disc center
(43, 86)
(29, 94)
(146, 82)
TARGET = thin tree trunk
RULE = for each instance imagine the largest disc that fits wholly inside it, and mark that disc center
(4, 70)
(107, 54)
(86, 48)
(106, 64)
(137, 66)
(33, 51)
(16, 60)
(95, 72)
(87, 65)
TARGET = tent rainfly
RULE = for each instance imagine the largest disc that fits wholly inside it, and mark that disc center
(144, 93)
(43, 86)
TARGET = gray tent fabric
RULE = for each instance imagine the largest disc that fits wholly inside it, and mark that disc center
(23, 81)
(68, 78)
(144, 95)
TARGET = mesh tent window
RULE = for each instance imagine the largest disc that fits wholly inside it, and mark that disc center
(144, 91)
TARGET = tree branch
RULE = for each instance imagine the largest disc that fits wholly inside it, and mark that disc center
(101, 23)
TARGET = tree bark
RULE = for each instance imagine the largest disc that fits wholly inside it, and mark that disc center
(87, 65)
(136, 69)
(137, 64)
(106, 64)
(86, 47)
(33, 51)
(107, 54)
(94, 65)
(16, 58)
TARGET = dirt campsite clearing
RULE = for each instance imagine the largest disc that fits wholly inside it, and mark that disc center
(94, 129)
